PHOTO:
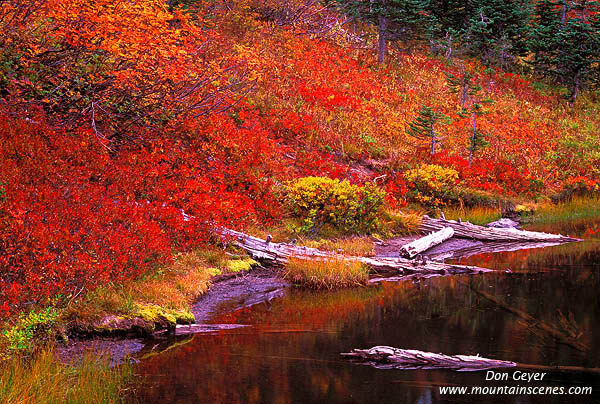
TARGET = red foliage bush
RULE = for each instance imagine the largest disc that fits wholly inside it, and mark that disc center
(493, 176)
(73, 217)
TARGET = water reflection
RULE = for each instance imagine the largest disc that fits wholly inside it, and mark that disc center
(290, 352)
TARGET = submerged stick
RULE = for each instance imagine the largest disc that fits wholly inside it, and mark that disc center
(387, 357)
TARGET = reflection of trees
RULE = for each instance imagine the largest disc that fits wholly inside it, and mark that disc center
(565, 331)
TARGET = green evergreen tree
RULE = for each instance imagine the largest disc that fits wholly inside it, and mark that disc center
(542, 33)
(395, 19)
(491, 29)
(567, 47)
(423, 127)
(478, 138)
(463, 85)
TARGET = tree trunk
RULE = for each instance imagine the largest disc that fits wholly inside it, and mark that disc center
(433, 139)
(382, 39)
(575, 91)
(472, 231)
(532, 323)
(422, 244)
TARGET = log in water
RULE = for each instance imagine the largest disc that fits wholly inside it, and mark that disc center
(387, 357)
(475, 232)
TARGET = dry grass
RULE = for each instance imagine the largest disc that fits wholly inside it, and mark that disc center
(326, 274)
(281, 232)
(477, 215)
(43, 379)
(174, 287)
(395, 223)
(357, 246)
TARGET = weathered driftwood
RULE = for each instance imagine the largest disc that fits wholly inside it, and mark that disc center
(386, 357)
(472, 231)
(533, 323)
(422, 244)
(279, 253)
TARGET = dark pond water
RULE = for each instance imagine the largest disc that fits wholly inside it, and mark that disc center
(289, 353)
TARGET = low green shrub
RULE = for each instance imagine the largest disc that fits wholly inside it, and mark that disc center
(36, 325)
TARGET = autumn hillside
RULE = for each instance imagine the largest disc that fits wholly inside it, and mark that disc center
(116, 116)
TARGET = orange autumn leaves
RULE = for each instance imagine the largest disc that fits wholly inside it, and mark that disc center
(117, 63)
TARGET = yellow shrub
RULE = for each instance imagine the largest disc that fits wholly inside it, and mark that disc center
(431, 184)
(348, 207)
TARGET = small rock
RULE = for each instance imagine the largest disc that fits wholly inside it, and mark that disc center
(504, 223)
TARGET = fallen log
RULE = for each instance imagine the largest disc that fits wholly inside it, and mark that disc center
(278, 253)
(473, 231)
(387, 357)
(422, 244)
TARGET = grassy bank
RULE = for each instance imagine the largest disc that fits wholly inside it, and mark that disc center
(578, 208)
(44, 379)
(160, 299)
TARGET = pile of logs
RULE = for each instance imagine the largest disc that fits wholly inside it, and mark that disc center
(268, 252)
(441, 230)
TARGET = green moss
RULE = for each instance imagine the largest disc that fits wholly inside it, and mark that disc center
(154, 314)
(240, 265)
(184, 317)
(214, 271)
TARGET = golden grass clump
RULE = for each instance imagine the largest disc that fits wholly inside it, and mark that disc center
(394, 222)
(44, 379)
(326, 273)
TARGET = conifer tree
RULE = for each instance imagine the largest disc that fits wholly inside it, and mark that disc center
(423, 127)
(399, 19)
(567, 46)
(478, 138)
(491, 29)
(463, 85)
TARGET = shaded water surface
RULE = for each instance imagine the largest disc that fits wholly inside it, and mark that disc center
(289, 353)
